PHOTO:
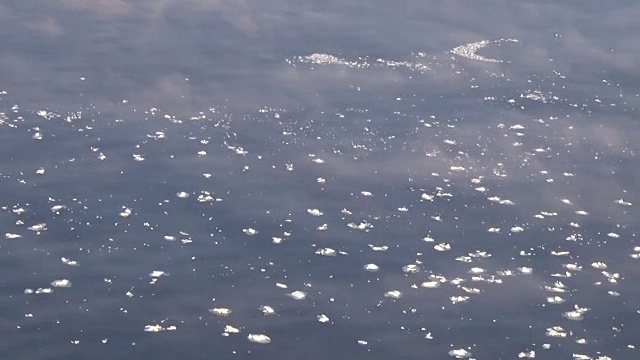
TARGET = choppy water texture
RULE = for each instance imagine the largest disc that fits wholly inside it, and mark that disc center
(229, 180)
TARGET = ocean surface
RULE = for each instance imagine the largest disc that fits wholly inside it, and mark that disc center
(319, 179)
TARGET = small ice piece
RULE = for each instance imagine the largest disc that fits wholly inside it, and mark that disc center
(40, 171)
(298, 295)
(250, 231)
(599, 265)
(622, 202)
(371, 267)
(318, 161)
(221, 311)
(281, 286)
(346, 212)
(494, 230)
(138, 157)
(582, 212)
(62, 283)
(362, 342)
(158, 273)
(267, 310)
(276, 240)
(566, 201)
(476, 270)
(182, 195)
(366, 193)
(517, 229)
(393, 294)
(314, 212)
(259, 338)
(326, 252)
(613, 235)
(459, 353)
(12, 236)
(403, 209)
(457, 168)
(323, 318)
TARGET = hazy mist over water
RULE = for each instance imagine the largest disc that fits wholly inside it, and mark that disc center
(341, 179)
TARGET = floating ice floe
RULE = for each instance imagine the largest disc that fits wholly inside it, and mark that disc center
(221, 311)
(63, 283)
(158, 328)
(298, 295)
(323, 318)
(314, 212)
(411, 268)
(12, 236)
(326, 252)
(557, 332)
(126, 212)
(158, 273)
(460, 353)
(228, 329)
(57, 208)
(267, 310)
(576, 315)
(458, 299)
(555, 300)
(430, 284)
(259, 338)
(250, 231)
(371, 267)
(69, 262)
(442, 247)
(393, 294)
(38, 227)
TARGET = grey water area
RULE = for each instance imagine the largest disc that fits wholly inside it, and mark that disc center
(327, 180)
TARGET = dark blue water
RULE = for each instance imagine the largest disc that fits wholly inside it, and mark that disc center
(163, 159)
